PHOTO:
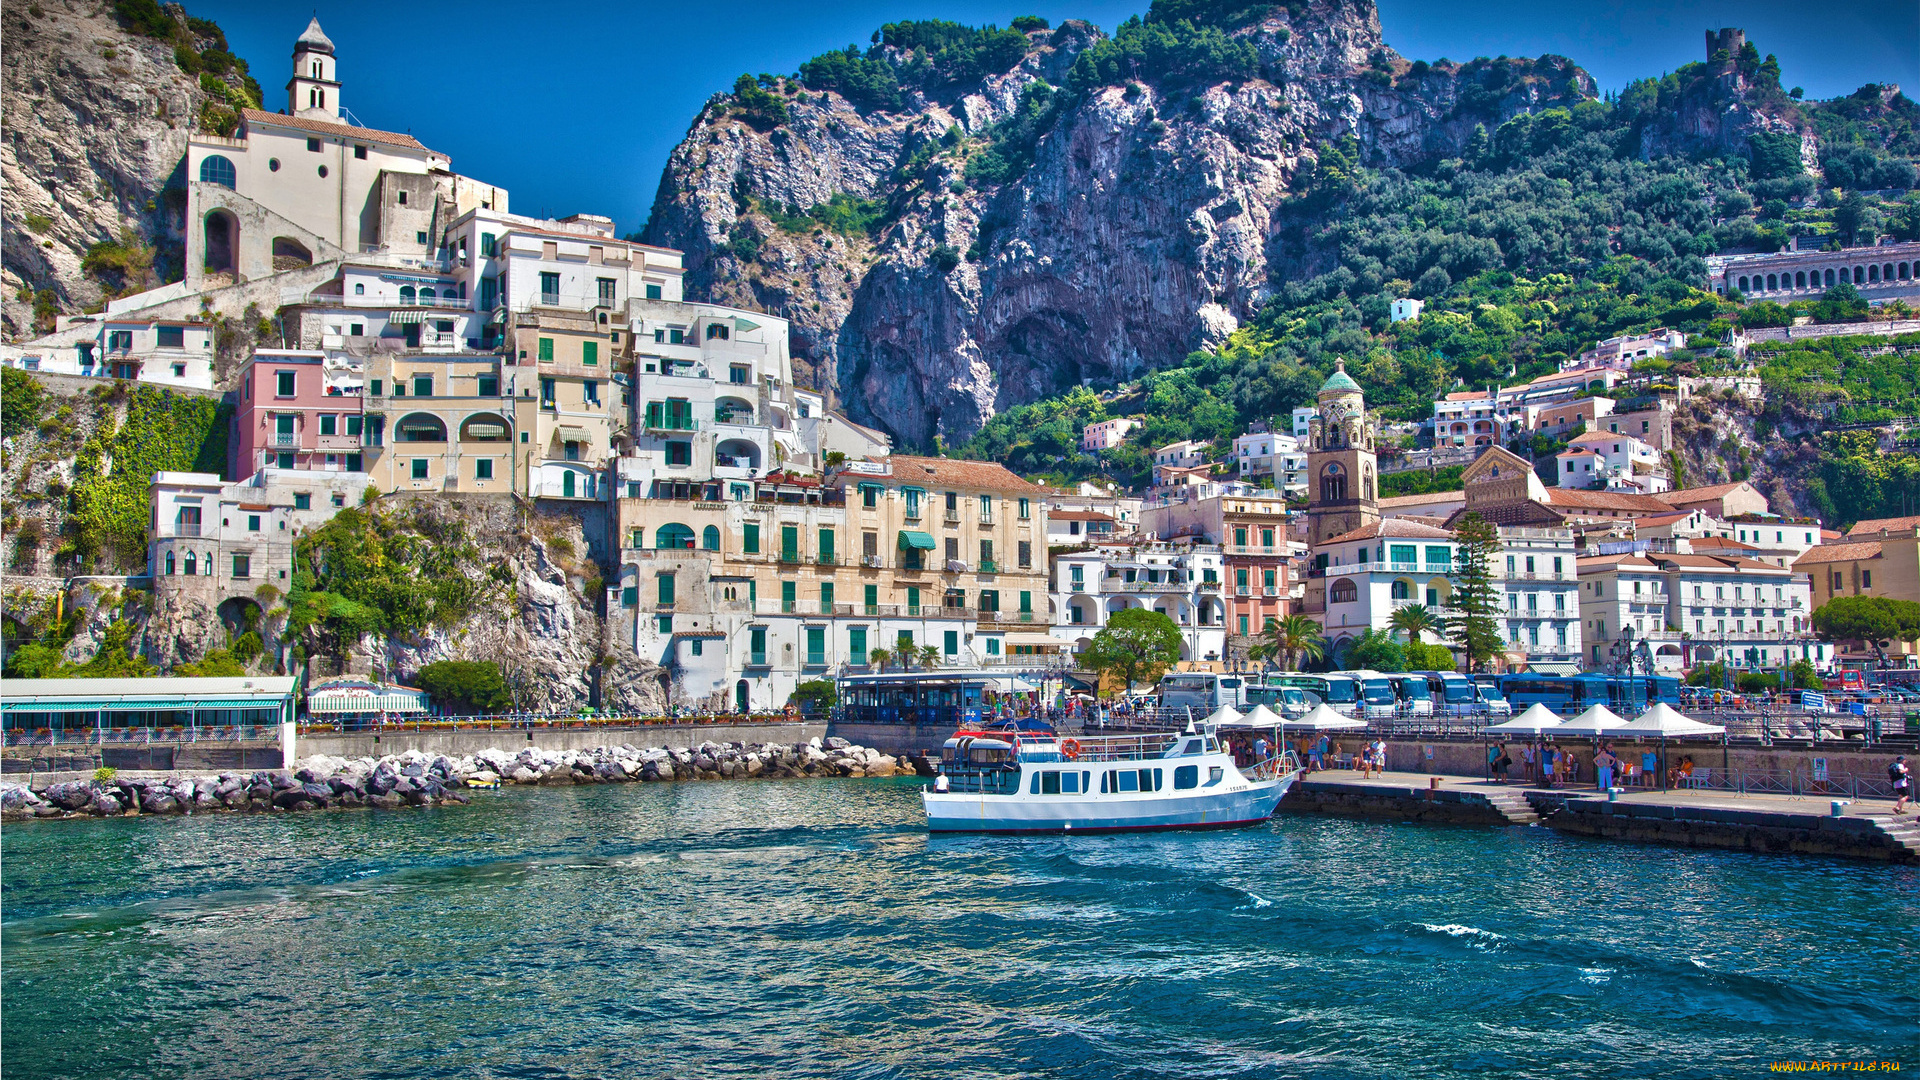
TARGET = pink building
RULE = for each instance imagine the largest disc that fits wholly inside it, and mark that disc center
(296, 412)
(1106, 434)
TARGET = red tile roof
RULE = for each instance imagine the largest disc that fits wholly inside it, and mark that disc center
(1427, 499)
(1898, 524)
(1392, 528)
(1832, 553)
(323, 127)
(977, 475)
(1698, 494)
(1605, 500)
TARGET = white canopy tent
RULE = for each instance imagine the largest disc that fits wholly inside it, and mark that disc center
(1224, 716)
(1596, 721)
(1665, 722)
(1537, 720)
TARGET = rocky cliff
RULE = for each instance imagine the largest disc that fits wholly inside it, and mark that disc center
(1143, 217)
(99, 100)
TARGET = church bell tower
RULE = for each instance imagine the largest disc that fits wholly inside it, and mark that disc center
(314, 92)
(1341, 470)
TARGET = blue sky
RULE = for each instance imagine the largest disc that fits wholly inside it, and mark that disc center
(575, 106)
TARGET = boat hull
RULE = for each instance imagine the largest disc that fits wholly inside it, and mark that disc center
(1249, 804)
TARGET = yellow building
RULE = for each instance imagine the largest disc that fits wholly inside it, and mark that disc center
(567, 407)
(1877, 558)
(438, 422)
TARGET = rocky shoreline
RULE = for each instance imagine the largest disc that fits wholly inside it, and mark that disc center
(417, 779)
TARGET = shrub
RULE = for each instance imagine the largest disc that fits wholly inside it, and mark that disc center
(945, 258)
(758, 107)
(465, 686)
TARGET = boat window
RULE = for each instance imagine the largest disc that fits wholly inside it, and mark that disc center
(1049, 783)
(1070, 784)
(1129, 780)
(1157, 778)
(1035, 789)
(1186, 776)
(1214, 774)
(1194, 746)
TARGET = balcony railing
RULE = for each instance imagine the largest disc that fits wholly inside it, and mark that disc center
(826, 560)
(953, 517)
(285, 438)
(988, 566)
(181, 528)
(789, 555)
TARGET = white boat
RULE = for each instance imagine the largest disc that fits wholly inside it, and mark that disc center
(1036, 781)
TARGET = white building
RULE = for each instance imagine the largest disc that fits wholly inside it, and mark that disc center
(1279, 456)
(1613, 462)
(1404, 309)
(1181, 581)
(1181, 455)
(1696, 609)
(1540, 597)
(1106, 434)
(1620, 353)
(1478, 418)
(1303, 420)
(1376, 570)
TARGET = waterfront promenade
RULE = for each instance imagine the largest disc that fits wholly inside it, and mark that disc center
(1866, 826)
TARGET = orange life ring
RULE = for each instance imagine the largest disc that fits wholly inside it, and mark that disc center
(1070, 749)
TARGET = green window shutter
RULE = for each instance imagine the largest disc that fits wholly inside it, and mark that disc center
(857, 645)
(816, 645)
(826, 545)
(913, 599)
(753, 593)
(953, 643)
(790, 543)
(1026, 602)
(788, 592)
(1240, 535)
(904, 641)
(653, 418)
(826, 598)
(666, 589)
(750, 539)
(546, 348)
(630, 596)
(590, 352)
(872, 598)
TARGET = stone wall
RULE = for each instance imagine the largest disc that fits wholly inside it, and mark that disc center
(465, 743)
(1443, 806)
(1739, 830)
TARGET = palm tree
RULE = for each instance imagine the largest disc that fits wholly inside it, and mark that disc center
(929, 657)
(1417, 619)
(879, 658)
(1291, 640)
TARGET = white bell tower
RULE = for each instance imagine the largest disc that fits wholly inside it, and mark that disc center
(314, 91)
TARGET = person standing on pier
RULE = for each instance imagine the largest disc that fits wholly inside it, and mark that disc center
(1603, 764)
(1902, 778)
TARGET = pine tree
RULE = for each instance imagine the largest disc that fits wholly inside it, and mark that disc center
(1474, 631)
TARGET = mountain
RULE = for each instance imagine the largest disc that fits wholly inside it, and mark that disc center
(99, 100)
(961, 220)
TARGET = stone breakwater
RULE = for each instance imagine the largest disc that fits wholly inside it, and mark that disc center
(417, 779)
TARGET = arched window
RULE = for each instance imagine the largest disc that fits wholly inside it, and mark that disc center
(193, 564)
(1743, 285)
(1343, 592)
(1829, 277)
(1402, 590)
(169, 564)
(1773, 282)
(426, 295)
(710, 538)
(215, 169)
(1800, 279)
(406, 294)
(1333, 484)
(674, 536)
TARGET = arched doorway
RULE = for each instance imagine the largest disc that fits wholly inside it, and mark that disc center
(220, 243)
(290, 254)
(741, 698)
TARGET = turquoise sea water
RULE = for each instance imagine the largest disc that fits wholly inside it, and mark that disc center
(812, 928)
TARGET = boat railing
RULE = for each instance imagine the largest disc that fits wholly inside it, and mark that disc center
(1273, 768)
(1106, 748)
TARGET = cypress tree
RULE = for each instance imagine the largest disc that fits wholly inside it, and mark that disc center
(1474, 631)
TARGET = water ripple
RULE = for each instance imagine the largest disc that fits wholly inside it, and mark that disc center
(814, 930)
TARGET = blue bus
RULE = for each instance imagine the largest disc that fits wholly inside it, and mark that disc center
(1452, 693)
(1571, 695)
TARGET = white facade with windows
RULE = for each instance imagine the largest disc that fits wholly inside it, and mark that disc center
(1181, 581)
(1539, 602)
(1696, 609)
(1378, 569)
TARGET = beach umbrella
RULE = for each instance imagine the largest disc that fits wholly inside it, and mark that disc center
(1596, 721)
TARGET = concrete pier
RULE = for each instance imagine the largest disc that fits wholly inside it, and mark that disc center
(1805, 825)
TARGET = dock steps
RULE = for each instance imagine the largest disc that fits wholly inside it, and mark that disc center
(1513, 806)
(1902, 829)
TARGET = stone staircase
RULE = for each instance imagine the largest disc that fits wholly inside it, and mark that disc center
(1902, 830)
(1513, 806)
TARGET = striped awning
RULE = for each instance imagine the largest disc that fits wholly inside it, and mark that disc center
(365, 699)
(399, 318)
(911, 538)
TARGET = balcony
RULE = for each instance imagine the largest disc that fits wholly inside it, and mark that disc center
(988, 566)
(670, 424)
(953, 517)
(181, 528)
(985, 520)
(1404, 567)
(1155, 587)
(1209, 586)
(873, 562)
(826, 559)
(789, 556)
(1018, 617)
(284, 438)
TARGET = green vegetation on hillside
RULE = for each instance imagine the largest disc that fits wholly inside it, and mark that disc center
(215, 64)
(1540, 239)
(162, 432)
(395, 572)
